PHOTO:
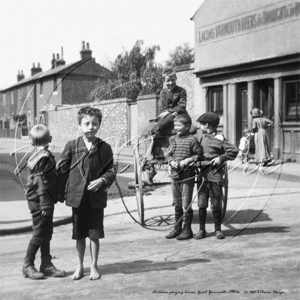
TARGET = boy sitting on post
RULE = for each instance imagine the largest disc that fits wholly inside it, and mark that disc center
(41, 196)
(86, 172)
(184, 151)
(216, 150)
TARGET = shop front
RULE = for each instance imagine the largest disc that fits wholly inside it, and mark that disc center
(245, 57)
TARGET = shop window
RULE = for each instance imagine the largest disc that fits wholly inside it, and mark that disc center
(6, 124)
(292, 95)
(215, 101)
(1, 124)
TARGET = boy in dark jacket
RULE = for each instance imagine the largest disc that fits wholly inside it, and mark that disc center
(86, 172)
(216, 150)
(41, 196)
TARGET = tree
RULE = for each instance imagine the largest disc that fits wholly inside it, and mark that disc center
(182, 55)
(134, 72)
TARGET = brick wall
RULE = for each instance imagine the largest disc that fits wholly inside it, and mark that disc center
(63, 124)
(76, 89)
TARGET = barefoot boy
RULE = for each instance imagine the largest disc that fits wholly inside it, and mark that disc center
(86, 172)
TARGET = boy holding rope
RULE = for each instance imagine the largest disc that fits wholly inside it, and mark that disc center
(215, 150)
(184, 151)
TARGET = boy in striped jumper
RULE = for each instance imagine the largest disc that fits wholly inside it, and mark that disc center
(185, 150)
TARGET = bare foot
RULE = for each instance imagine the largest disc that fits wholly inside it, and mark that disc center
(78, 274)
(94, 273)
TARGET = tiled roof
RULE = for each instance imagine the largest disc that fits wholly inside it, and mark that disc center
(41, 75)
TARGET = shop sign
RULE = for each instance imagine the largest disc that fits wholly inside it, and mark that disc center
(253, 21)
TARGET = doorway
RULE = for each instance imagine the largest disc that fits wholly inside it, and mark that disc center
(263, 98)
(241, 110)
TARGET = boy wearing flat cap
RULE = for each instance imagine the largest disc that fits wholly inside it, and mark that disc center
(216, 150)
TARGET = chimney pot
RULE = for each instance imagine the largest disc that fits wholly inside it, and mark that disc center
(57, 56)
(53, 61)
(86, 54)
(35, 70)
(20, 76)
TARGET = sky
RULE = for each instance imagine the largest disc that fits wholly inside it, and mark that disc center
(32, 30)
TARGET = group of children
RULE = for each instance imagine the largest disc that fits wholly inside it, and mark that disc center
(212, 151)
(86, 170)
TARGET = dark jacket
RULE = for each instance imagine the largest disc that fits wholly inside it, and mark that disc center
(79, 166)
(173, 101)
(215, 145)
(41, 184)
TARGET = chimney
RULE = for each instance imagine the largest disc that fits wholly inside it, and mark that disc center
(53, 62)
(86, 53)
(60, 62)
(35, 70)
(20, 75)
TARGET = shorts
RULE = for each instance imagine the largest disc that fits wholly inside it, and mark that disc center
(87, 221)
(213, 191)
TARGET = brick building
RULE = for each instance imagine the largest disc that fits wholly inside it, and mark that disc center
(62, 84)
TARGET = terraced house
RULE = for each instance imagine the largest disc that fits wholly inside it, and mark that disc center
(25, 103)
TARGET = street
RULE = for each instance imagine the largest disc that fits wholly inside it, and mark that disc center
(258, 259)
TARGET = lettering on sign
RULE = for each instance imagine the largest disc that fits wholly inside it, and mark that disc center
(249, 22)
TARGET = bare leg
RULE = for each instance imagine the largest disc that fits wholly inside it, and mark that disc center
(94, 247)
(80, 248)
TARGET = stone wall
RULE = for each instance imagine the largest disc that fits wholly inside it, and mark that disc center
(185, 79)
(63, 124)
(146, 110)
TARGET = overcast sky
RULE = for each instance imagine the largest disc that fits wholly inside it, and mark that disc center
(32, 30)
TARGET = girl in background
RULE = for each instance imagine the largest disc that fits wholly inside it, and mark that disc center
(262, 147)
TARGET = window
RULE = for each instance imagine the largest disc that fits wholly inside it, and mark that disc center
(41, 88)
(28, 92)
(215, 101)
(4, 99)
(12, 97)
(54, 85)
(19, 94)
(292, 95)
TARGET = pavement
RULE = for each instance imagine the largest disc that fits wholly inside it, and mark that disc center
(258, 259)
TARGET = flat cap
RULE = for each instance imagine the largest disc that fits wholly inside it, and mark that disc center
(209, 117)
(168, 72)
